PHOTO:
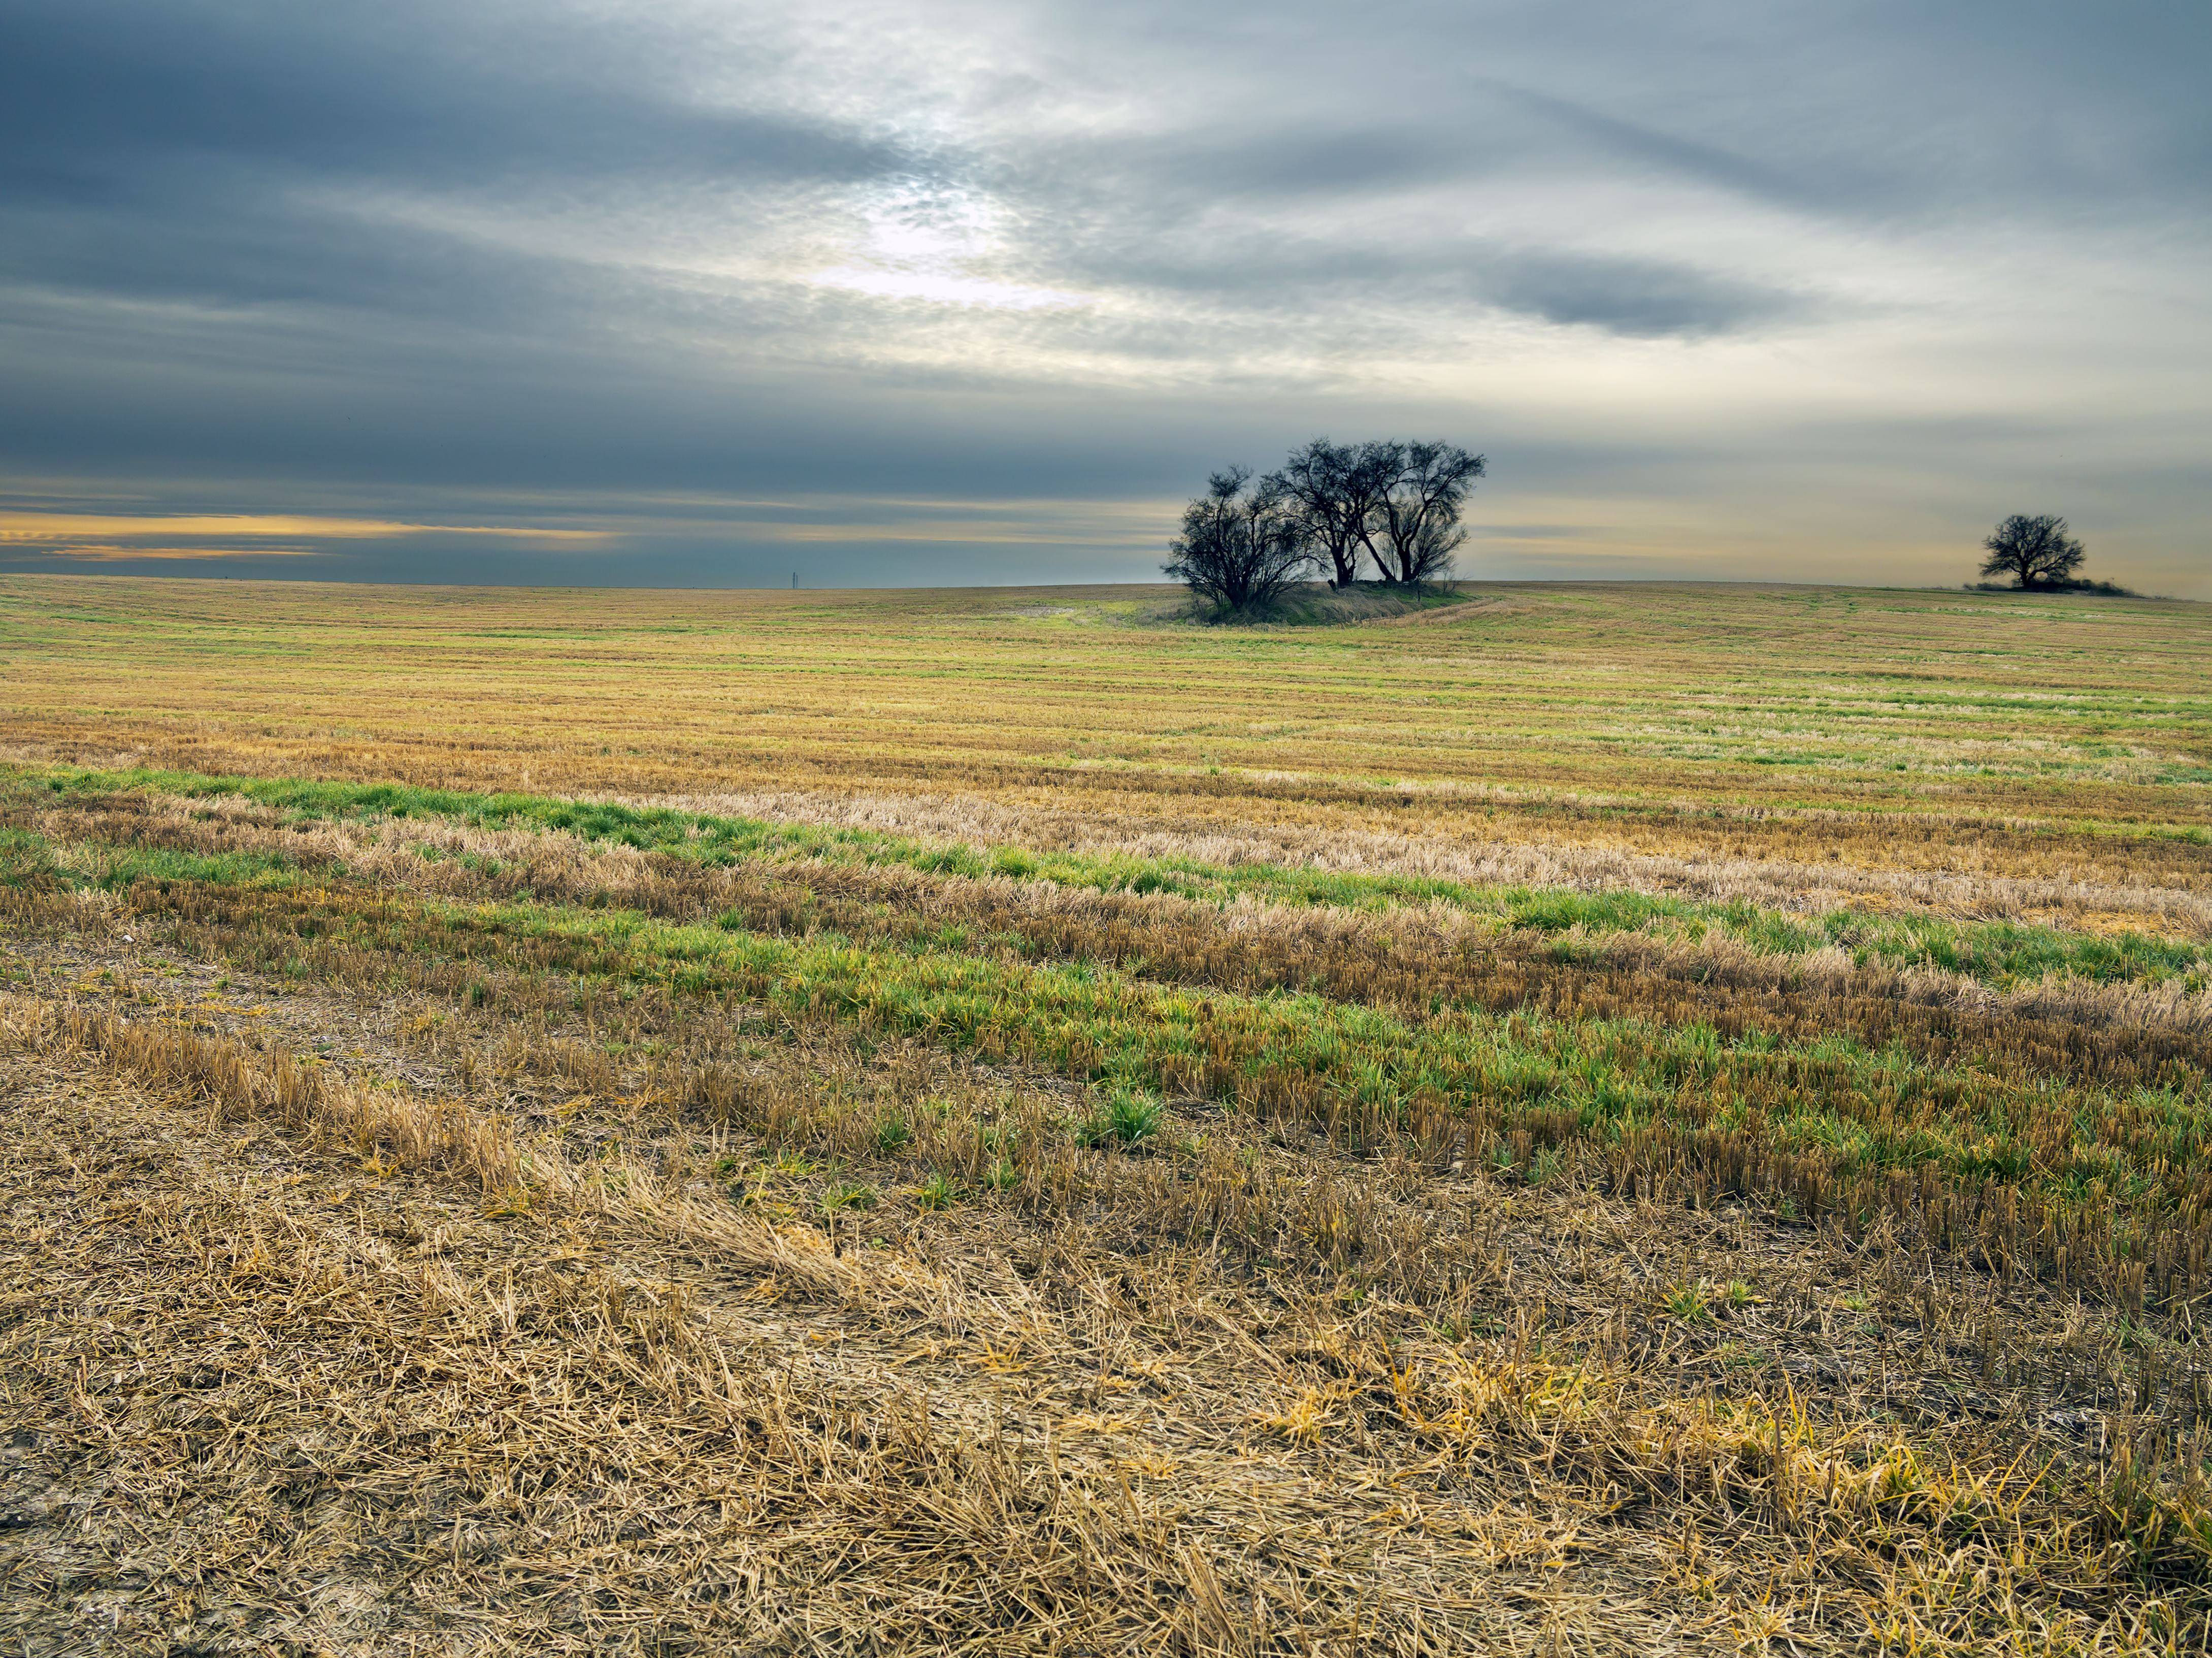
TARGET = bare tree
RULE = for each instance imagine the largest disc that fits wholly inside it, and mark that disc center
(1415, 526)
(2036, 552)
(1336, 488)
(1240, 549)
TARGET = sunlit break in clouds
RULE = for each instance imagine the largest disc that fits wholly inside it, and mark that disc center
(693, 294)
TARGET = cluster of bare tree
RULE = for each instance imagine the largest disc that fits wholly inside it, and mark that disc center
(1331, 508)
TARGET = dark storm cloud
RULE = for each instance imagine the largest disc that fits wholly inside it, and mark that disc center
(1635, 297)
(403, 255)
(106, 97)
(205, 152)
(1629, 297)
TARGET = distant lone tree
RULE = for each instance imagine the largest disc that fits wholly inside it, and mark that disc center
(1336, 489)
(1240, 548)
(1414, 528)
(2035, 551)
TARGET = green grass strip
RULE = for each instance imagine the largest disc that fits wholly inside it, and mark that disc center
(2004, 955)
(2117, 1153)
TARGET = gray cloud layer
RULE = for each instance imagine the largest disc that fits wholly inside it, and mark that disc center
(974, 291)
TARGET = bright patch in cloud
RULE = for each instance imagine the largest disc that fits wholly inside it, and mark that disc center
(930, 240)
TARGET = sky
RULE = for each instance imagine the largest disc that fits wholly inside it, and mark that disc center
(695, 293)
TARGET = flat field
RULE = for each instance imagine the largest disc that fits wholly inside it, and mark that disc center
(1586, 1118)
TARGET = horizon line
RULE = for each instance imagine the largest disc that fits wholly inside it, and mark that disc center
(269, 580)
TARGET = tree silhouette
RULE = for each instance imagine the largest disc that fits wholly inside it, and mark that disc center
(1336, 488)
(1416, 517)
(2035, 551)
(1240, 549)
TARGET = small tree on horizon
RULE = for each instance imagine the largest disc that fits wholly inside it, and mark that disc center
(1239, 549)
(2035, 551)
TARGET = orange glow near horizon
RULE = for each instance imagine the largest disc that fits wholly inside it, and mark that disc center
(46, 527)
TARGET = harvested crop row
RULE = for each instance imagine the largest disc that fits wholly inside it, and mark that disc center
(2119, 1034)
(1922, 864)
(1944, 927)
(2099, 1183)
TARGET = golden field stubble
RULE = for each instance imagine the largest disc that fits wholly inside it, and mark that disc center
(535, 1313)
(360, 1396)
(1936, 727)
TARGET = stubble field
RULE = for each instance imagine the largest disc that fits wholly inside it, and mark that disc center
(1587, 1119)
